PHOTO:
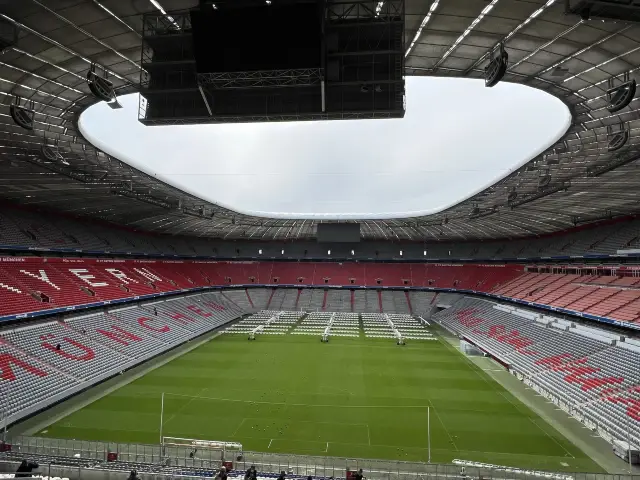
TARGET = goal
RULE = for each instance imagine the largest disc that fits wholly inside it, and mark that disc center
(227, 449)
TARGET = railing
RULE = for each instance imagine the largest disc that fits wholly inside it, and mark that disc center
(180, 462)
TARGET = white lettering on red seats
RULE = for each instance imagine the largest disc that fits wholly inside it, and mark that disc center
(88, 354)
(119, 335)
(10, 288)
(148, 275)
(42, 277)
(120, 275)
(6, 360)
(144, 320)
(84, 275)
(197, 310)
(181, 318)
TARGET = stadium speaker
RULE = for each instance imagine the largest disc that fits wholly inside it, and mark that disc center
(494, 72)
(52, 154)
(617, 139)
(101, 88)
(544, 180)
(22, 115)
(621, 95)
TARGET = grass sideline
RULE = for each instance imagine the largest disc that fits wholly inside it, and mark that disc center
(352, 397)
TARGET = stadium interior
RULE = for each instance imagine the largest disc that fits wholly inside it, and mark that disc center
(149, 333)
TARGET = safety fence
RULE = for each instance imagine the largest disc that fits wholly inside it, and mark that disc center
(84, 459)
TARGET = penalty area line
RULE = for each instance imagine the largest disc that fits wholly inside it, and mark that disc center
(271, 440)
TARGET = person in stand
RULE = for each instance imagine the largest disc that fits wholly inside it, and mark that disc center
(58, 347)
(25, 469)
(133, 475)
(155, 311)
(359, 475)
(251, 473)
(222, 474)
(282, 475)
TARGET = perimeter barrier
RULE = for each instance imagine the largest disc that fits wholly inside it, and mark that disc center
(77, 459)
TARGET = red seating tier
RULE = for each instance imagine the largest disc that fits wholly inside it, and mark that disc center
(67, 282)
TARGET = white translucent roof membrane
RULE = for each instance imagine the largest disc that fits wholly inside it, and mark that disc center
(456, 139)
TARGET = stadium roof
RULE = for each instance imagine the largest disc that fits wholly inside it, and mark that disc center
(578, 180)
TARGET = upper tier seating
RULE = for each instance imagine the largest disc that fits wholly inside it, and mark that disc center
(23, 228)
(591, 373)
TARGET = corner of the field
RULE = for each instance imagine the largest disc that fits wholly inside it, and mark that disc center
(97, 392)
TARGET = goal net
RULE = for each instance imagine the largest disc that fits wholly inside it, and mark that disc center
(234, 448)
(470, 349)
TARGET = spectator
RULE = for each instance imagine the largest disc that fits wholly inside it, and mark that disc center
(58, 347)
(222, 474)
(25, 468)
(133, 475)
(155, 311)
(359, 475)
(282, 475)
(251, 473)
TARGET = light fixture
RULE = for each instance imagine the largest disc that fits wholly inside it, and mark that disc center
(328, 252)
(282, 251)
(400, 252)
(424, 253)
(260, 251)
(352, 252)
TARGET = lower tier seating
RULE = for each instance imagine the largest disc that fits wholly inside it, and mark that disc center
(591, 373)
(43, 362)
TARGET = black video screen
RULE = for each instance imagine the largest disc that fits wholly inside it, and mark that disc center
(262, 37)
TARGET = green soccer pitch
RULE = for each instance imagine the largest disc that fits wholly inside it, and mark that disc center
(353, 397)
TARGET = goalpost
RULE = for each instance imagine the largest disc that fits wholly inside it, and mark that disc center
(236, 448)
(193, 443)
